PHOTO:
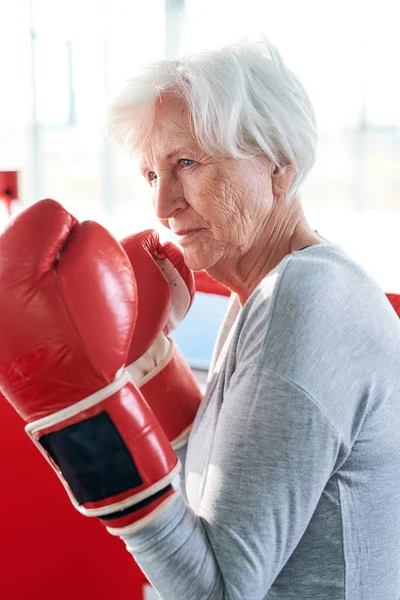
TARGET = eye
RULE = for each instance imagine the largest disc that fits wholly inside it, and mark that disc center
(186, 162)
(151, 176)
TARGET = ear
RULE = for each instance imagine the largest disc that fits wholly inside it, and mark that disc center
(282, 178)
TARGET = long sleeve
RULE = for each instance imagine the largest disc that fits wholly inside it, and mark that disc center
(274, 452)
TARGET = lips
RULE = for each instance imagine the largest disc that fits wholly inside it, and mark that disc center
(185, 236)
(186, 231)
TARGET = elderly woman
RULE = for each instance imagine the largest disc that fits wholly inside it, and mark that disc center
(291, 487)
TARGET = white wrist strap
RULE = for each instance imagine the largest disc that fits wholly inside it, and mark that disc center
(153, 361)
(180, 294)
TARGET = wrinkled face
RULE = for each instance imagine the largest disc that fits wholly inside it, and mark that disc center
(214, 205)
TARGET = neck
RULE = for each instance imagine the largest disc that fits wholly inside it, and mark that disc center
(276, 237)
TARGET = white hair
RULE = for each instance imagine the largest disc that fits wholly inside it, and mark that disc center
(242, 99)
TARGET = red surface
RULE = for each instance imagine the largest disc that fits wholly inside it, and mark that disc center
(8, 188)
(48, 550)
(206, 284)
(395, 302)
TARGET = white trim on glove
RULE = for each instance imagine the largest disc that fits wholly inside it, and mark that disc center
(34, 428)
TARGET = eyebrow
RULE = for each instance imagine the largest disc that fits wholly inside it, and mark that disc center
(143, 168)
(180, 151)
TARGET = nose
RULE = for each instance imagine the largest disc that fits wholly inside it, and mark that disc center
(168, 198)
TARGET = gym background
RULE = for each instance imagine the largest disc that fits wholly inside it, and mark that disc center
(61, 61)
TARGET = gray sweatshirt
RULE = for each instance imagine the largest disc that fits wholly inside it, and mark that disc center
(292, 475)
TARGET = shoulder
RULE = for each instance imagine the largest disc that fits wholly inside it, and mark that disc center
(312, 294)
(302, 283)
(316, 321)
(315, 272)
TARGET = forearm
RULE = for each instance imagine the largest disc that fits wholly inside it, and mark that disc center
(175, 554)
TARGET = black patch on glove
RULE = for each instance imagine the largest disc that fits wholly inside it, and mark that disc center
(93, 459)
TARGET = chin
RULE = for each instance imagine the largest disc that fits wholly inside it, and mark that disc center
(197, 260)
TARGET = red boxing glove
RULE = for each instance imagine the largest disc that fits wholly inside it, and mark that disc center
(68, 309)
(165, 290)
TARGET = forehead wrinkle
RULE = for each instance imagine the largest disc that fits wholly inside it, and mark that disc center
(171, 133)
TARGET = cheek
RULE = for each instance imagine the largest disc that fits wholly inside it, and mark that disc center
(228, 211)
(208, 198)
